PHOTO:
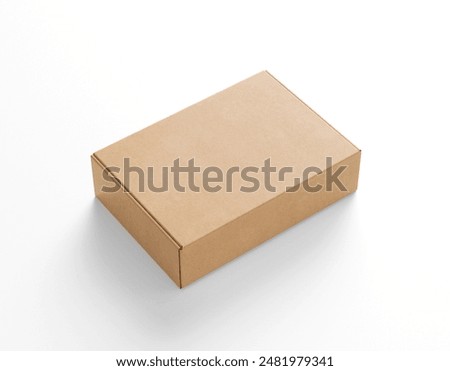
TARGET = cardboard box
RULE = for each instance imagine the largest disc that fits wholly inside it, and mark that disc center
(280, 162)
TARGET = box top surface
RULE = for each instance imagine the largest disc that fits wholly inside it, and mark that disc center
(242, 126)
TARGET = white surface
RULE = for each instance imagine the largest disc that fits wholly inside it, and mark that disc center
(370, 272)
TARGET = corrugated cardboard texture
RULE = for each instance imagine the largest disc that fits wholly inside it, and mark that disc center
(256, 119)
(138, 223)
(262, 223)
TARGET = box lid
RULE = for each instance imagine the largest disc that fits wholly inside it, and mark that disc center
(245, 125)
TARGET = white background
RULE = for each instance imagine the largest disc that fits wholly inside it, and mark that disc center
(369, 273)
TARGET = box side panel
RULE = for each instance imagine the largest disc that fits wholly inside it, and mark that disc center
(264, 222)
(136, 221)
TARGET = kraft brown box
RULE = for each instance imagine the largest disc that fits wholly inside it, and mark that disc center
(191, 233)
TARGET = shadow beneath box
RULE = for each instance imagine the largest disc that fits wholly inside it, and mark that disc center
(129, 277)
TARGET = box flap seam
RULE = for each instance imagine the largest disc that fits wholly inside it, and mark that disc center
(136, 201)
(357, 153)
